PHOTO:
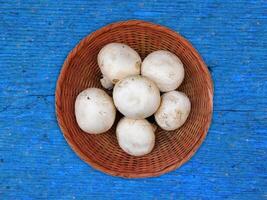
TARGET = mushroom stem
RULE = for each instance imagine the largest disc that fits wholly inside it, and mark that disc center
(106, 83)
(154, 127)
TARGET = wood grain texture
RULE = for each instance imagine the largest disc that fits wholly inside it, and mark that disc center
(37, 163)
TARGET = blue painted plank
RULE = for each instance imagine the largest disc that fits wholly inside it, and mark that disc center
(36, 162)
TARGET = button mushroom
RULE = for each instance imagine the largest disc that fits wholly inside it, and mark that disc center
(94, 110)
(136, 97)
(164, 68)
(173, 111)
(135, 137)
(117, 61)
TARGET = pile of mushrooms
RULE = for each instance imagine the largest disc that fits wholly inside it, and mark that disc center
(137, 87)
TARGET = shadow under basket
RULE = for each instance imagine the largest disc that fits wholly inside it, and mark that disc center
(172, 148)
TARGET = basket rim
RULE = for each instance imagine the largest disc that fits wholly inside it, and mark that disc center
(60, 82)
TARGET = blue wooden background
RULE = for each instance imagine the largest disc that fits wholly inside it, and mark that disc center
(37, 163)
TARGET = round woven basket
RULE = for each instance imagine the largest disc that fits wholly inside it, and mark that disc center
(172, 149)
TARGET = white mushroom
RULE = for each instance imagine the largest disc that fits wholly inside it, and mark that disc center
(136, 97)
(173, 111)
(117, 61)
(94, 110)
(164, 68)
(135, 137)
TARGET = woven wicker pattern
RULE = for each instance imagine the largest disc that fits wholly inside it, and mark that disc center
(102, 152)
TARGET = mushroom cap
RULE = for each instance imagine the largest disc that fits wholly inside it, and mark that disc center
(164, 68)
(135, 137)
(136, 97)
(173, 111)
(117, 61)
(94, 110)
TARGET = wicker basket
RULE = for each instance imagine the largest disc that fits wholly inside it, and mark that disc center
(172, 149)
